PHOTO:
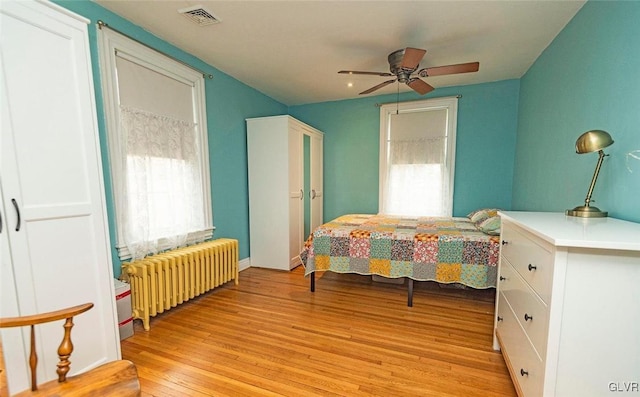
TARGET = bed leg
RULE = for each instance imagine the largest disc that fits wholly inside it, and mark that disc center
(312, 281)
(410, 292)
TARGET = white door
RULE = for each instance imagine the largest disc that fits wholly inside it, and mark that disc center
(296, 196)
(316, 180)
(51, 176)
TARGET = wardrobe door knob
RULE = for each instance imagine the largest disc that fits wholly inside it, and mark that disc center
(527, 317)
(531, 267)
(523, 372)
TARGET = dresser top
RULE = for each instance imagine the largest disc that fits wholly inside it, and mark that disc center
(568, 231)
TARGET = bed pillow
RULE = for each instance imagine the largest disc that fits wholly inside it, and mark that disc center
(490, 226)
(481, 214)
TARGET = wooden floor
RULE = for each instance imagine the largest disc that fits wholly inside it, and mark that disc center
(270, 336)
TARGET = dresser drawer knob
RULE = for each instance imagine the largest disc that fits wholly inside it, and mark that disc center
(527, 317)
(531, 267)
(502, 278)
(523, 372)
(500, 318)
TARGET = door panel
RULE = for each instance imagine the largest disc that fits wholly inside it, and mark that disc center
(50, 167)
(316, 181)
(296, 227)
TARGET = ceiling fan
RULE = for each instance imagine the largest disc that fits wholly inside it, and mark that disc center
(404, 62)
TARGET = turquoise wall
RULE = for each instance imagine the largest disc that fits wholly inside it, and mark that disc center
(229, 103)
(485, 143)
(588, 78)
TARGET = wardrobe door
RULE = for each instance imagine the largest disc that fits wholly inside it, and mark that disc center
(316, 180)
(296, 195)
(274, 194)
(15, 353)
(52, 184)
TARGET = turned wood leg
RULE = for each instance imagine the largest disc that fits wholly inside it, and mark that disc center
(64, 351)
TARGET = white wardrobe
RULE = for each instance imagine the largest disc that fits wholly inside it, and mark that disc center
(285, 189)
(54, 239)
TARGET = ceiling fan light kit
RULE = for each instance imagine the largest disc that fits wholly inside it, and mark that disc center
(404, 62)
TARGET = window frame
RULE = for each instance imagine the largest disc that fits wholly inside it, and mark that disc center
(386, 110)
(111, 43)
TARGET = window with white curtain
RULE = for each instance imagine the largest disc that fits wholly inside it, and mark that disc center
(157, 135)
(417, 157)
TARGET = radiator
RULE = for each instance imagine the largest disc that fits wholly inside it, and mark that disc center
(165, 280)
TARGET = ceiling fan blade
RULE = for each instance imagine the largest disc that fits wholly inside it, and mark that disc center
(450, 69)
(370, 90)
(369, 73)
(419, 86)
(412, 57)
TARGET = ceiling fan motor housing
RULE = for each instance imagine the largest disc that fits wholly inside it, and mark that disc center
(395, 66)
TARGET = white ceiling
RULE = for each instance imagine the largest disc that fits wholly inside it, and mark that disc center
(292, 50)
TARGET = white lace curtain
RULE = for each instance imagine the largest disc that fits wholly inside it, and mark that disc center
(417, 151)
(163, 200)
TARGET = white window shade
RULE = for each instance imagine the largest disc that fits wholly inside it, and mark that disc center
(142, 87)
(418, 124)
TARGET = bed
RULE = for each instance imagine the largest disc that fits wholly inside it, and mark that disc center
(460, 250)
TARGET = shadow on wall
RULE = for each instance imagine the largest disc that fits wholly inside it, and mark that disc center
(632, 155)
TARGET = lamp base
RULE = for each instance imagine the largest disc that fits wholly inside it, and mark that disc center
(584, 211)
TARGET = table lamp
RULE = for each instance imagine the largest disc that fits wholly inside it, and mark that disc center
(591, 141)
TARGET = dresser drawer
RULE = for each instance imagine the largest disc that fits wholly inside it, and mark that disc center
(534, 262)
(526, 368)
(530, 311)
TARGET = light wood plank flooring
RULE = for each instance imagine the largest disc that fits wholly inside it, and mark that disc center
(270, 336)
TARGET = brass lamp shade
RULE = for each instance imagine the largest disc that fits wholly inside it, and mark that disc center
(591, 141)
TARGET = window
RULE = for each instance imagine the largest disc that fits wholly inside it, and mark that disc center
(417, 157)
(157, 136)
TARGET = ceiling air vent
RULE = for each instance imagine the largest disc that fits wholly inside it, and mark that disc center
(199, 16)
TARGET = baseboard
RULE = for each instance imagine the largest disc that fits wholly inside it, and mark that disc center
(244, 264)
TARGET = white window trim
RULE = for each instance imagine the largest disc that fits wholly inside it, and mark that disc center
(386, 110)
(110, 43)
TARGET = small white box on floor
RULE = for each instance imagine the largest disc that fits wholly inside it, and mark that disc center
(123, 305)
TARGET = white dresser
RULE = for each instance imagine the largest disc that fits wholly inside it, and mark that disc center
(568, 304)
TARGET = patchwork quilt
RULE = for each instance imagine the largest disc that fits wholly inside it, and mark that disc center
(446, 250)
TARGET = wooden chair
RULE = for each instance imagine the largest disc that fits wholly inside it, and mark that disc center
(116, 378)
